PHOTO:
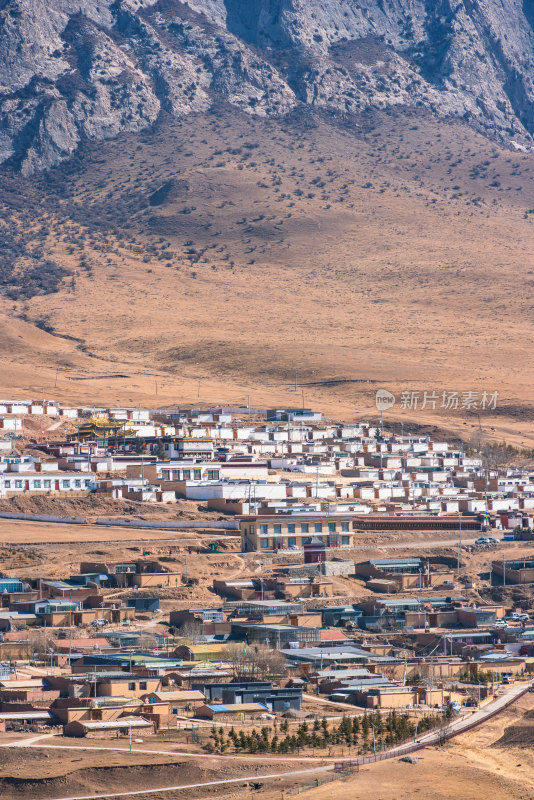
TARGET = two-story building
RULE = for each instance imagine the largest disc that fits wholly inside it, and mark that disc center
(281, 531)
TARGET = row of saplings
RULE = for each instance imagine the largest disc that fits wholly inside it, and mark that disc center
(357, 732)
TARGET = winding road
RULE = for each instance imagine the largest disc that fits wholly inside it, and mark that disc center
(508, 696)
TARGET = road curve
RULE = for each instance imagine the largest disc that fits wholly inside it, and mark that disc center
(182, 787)
(511, 694)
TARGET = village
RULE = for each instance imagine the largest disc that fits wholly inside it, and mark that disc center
(255, 581)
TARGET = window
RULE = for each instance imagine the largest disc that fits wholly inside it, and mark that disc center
(66, 484)
(344, 526)
(278, 529)
(37, 484)
(142, 685)
(198, 474)
(18, 484)
(291, 527)
(131, 686)
(331, 527)
(187, 475)
(77, 483)
(47, 484)
(165, 474)
(345, 540)
(318, 527)
(292, 541)
(87, 482)
(304, 527)
(264, 543)
(8, 484)
(263, 529)
(213, 474)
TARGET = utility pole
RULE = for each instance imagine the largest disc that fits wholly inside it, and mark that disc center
(459, 542)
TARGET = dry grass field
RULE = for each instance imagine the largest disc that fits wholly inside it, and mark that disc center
(495, 759)
(481, 763)
(213, 258)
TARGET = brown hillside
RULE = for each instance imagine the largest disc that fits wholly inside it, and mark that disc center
(383, 250)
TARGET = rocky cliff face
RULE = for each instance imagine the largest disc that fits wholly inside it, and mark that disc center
(72, 70)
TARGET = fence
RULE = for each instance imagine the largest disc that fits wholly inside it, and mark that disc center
(44, 517)
(335, 776)
(229, 525)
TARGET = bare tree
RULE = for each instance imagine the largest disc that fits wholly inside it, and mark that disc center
(255, 662)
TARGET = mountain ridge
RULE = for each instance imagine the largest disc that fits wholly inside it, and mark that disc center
(71, 72)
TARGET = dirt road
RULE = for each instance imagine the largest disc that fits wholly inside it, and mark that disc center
(509, 695)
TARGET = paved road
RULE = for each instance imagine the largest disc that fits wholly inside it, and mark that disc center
(456, 727)
(510, 694)
(419, 543)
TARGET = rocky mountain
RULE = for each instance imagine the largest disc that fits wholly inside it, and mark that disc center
(78, 70)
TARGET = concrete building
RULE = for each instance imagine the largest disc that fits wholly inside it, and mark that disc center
(513, 572)
(280, 531)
